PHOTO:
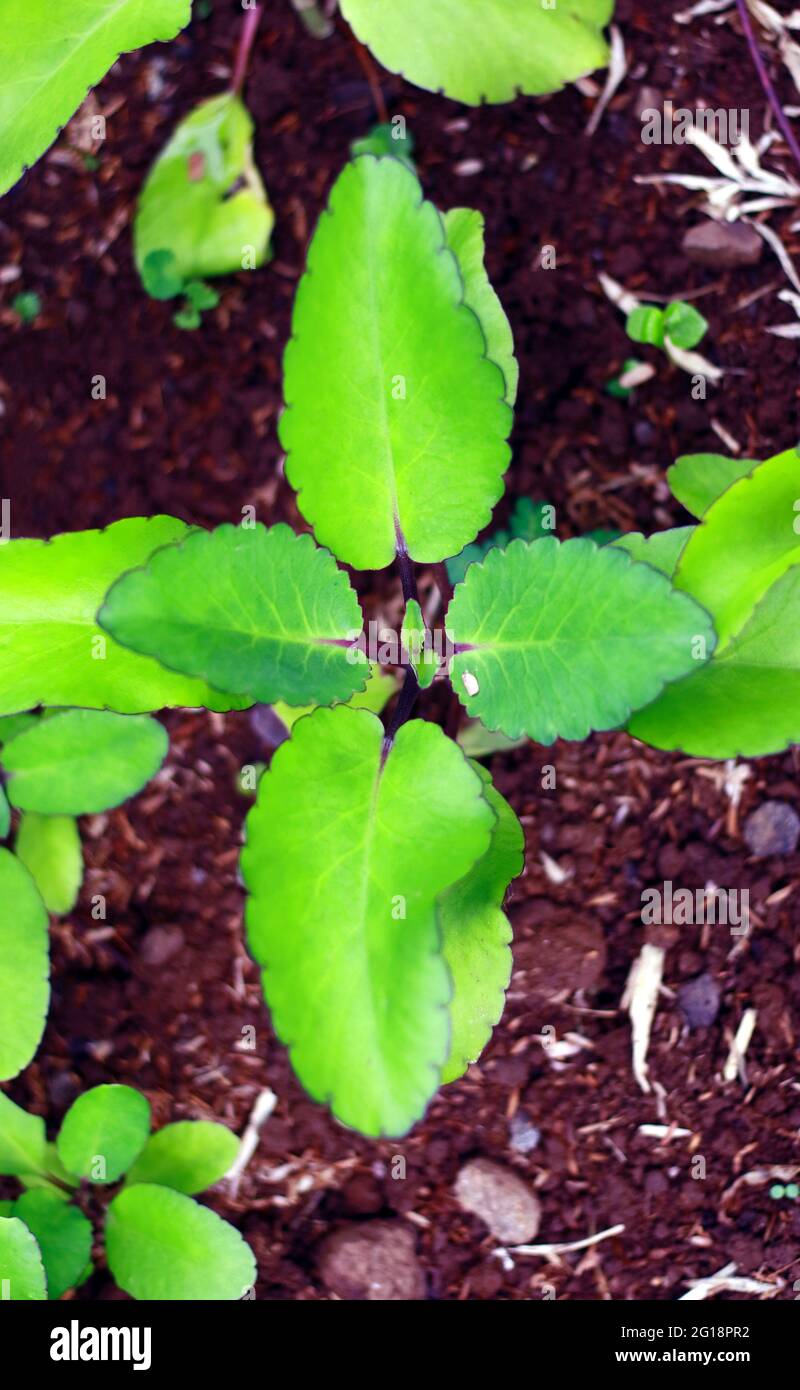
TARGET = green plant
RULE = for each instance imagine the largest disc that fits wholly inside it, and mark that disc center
(682, 325)
(377, 856)
(69, 763)
(159, 1243)
(27, 305)
(390, 138)
(475, 50)
(55, 53)
(203, 209)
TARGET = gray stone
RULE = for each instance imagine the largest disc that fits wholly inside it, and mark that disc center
(373, 1262)
(160, 944)
(723, 245)
(523, 1134)
(501, 1199)
(698, 1000)
(774, 828)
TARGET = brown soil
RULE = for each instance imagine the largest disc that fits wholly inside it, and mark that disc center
(189, 428)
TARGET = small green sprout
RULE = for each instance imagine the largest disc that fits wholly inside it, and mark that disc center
(27, 306)
(162, 279)
(617, 385)
(779, 1191)
(680, 323)
(159, 1243)
(390, 138)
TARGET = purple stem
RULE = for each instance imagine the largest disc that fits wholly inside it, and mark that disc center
(246, 37)
(766, 81)
(402, 710)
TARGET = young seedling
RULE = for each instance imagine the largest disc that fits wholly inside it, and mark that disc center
(203, 210)
(390, 138)
(378, 855)
(529, 521)
(69, 763)
(27, 306)
(159, 1243)
(678, 324)
(492, 50)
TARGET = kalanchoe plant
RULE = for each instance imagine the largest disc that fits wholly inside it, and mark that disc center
(52, 769)
(159, 1243)
(377, 855)
(203, 209)
(484, 50)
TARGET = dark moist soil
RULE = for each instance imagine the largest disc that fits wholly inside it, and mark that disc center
(189, 428)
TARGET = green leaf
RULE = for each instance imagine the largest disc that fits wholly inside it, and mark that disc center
(201, 296)
(746, 541)
(160, 275)
(476, 934)
(188, 318)
(646, 325)
(5, 816)
(23, 1143)
(265, 611)
(13, 724)
(479, 742)
(51, 649)
(743, 563)
(662, 550)
(103, 1131)
(63, 1235)
(421, 655)
(51, 55)
(529, 521)
(746, 701)
(345, 858)
(486, 49)
(22, 1277)
(697, 480)
(386, 140)
(564, 638)
(24, 983)
(410, 438)
(464, 230)
(203, 199)
(375, 696)
(50, 849)
(54, 1178)
(190, 1156)
(83, 761)
(683, 325)
(164, 1247)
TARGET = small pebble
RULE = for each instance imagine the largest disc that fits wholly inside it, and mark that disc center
(373, 1262)
(523, 1134)
(774, 828)
(699, 999)
(501, 1199)
(722, 245)
(160, 944)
